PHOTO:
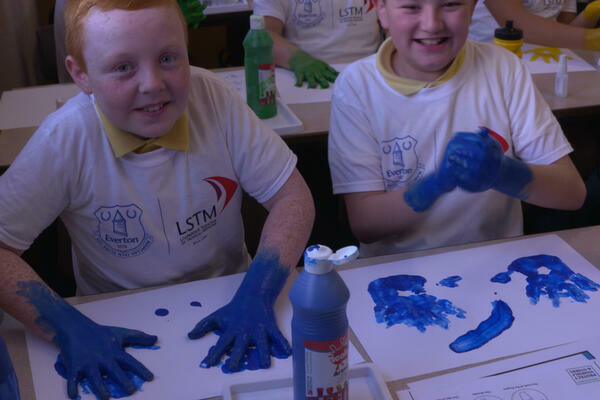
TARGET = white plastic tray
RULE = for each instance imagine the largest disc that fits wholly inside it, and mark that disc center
(285, 122)
(365, 383)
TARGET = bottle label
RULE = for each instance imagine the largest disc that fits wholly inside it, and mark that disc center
(326, 365)
(266, 84)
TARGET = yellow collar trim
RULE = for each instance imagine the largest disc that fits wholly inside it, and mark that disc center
(123, 142)
(407, 86)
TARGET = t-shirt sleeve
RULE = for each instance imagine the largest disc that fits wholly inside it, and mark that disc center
(536, 134)
(33, 191)
(353, 150)
(272, 8)
(570, 6)
(261, 159)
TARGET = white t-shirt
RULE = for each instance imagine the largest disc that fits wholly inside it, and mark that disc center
(483, 25)
(146, 219)
(340, 30)
(380, 140)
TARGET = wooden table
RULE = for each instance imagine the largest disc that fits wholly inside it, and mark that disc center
(583, 240)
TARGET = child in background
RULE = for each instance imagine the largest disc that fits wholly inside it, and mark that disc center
(436, 139)
(146, 169)
(547, 23)
(307, 32)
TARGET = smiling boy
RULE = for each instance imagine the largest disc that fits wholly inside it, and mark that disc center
(146, 168)
(435, 139)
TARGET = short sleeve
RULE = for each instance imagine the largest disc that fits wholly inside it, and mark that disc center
(33, 191)
(537, 135)
(272, 8)
(261, 159)
(353, 149)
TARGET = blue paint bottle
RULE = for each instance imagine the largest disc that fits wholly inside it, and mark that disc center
(319, 329)
(9, 388)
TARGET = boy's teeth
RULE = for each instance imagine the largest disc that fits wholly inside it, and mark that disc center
(431, 41)
(153, 108)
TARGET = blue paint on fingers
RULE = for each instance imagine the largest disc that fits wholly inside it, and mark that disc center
(113, 388)
(500, 320)
(418, 310)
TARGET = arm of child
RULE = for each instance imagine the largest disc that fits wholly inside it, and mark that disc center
(305, 67)
(249, 319)
(588, 18)
(542, 31)
(87, 350)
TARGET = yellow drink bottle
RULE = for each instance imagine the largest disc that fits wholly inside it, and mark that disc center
(509, 37)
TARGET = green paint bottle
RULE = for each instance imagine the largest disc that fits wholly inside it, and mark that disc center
(260, 69)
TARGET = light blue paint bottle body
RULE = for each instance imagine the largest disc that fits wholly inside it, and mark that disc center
(319, 332)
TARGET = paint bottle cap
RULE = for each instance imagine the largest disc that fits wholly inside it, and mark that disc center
(344, 255)
(508, 32)
(562, 64)
(257, 22)
(316, 259)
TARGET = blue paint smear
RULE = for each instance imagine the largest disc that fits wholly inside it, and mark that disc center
(554, 284)
(154, 347)
(419, 309)
(111, 386)
(451, 281)
(500, 320)
(195, 304)
(161, 312)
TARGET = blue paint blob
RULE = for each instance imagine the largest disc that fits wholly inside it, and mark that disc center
(110, 385)
(500, 320)
(161, 312)
(419, 309)
(554, 284)
(195, 304)
(451, 281)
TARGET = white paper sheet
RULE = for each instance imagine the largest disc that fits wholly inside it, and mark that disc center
(565, 372)
(176, 364)
(402, 351)
(285, 81)
(547, 61)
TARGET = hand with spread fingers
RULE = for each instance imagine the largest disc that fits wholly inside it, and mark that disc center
(312, 70)
(248, 320)
(87, 350)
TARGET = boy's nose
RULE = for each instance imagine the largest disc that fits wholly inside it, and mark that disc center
(431, 20)
(151, 80)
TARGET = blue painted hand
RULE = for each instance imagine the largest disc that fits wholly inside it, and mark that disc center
(421, 195)
(475, 160)
(88, 350)
(478, 164)
(248, 320)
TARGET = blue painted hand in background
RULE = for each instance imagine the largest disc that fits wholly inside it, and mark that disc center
(421, 194)
(248, 320)
(88, 350)
(475, 162)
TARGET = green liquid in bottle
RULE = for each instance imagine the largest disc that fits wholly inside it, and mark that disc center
(260, 69)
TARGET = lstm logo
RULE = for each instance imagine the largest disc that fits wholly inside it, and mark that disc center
(193, 227)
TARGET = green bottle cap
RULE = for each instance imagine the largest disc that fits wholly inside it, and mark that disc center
(508, 32)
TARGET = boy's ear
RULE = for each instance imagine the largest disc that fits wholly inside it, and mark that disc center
(80, 77)
(382, 13)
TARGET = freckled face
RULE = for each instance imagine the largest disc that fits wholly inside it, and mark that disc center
(138, 68)
(427, 34)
